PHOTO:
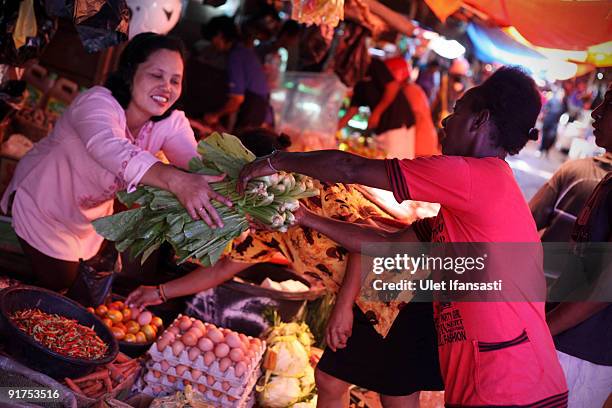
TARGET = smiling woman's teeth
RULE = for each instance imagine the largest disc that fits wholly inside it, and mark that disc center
(158, 98)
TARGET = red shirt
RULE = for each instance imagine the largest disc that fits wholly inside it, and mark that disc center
(491, 353)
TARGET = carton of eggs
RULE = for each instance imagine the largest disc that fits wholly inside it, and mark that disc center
(221, 364)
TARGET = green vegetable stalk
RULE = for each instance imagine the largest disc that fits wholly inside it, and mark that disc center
(160, 217)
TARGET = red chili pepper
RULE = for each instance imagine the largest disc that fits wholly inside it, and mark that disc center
(60, 334)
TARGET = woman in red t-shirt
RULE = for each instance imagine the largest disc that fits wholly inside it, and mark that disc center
(500, 353)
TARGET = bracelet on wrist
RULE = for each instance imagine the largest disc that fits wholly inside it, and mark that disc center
(269, 160)
(162, 294)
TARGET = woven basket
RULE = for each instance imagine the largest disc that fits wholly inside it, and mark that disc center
(24, 124)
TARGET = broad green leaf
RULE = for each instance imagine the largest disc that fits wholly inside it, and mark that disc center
(117, 227)
(128, 199)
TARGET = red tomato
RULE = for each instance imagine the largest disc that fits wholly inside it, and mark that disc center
(118, 333)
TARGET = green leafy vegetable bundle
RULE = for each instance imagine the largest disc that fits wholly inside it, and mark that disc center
(160, 217)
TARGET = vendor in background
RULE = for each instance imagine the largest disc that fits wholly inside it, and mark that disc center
(556, 205)
(249, 94)
(104, 143)
(287, 37)
(391, 348)
(551, 114)
(268, 51)
(391, 116)
(429, 80)
(426, 137)
(453, 84)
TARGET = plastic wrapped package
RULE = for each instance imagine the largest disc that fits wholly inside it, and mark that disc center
(99, 23)
(306, 107)
(327, 12)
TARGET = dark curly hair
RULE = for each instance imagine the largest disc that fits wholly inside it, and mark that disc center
(262, 141)
(221, 25)
(135, 53)
(512, 98)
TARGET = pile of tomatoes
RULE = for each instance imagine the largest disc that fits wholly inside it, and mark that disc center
(128, 324)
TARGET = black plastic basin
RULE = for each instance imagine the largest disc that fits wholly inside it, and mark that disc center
(33, 354)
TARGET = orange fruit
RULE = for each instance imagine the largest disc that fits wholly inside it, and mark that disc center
(127, 314)
(91, 310)
(107, 322)
(132, 327)
(129, 338)
(118, 333)
(121, 326)
(116, 305)
(115, 316)
(101, 310)
(149, 331)
(157, 322)
(140, 337)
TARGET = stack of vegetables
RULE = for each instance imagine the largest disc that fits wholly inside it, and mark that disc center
(219, 363)
(289, 377)
(111, 378)
(160, 217)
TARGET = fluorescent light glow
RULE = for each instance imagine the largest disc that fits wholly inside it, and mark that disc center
(311, 107)
(447, 49)
(376, 52)
(429, 35)
(355, 124)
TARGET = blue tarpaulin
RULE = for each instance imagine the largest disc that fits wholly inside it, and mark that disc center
(493, 45)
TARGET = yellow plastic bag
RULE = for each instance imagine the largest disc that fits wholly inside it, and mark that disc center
(26, 24)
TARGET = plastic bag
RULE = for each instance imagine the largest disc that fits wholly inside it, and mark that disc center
(352, 57)
(319, 12)
(99, 23)
(95, 277)
(314, 46)
(26, 23)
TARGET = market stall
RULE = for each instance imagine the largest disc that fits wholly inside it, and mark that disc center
(173, 311)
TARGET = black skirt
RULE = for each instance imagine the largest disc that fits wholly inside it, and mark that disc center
(404, 362)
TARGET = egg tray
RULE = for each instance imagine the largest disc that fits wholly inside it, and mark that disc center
(234, 390)
(183, 358)
(156, 388)
(212, 369)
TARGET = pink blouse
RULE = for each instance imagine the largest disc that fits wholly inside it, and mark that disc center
(71, 177)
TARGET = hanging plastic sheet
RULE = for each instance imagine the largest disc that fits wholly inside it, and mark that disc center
(99, 23)
(25, 29)
(350, 58)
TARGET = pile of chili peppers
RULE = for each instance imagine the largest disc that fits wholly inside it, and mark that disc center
(59, 334)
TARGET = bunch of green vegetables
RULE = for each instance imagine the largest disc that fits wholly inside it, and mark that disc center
(160, 217)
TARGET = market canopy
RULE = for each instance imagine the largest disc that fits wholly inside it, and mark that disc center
(566, 25)
(493, 45)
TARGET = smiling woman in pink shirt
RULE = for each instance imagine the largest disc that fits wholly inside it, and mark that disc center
(106, 142)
